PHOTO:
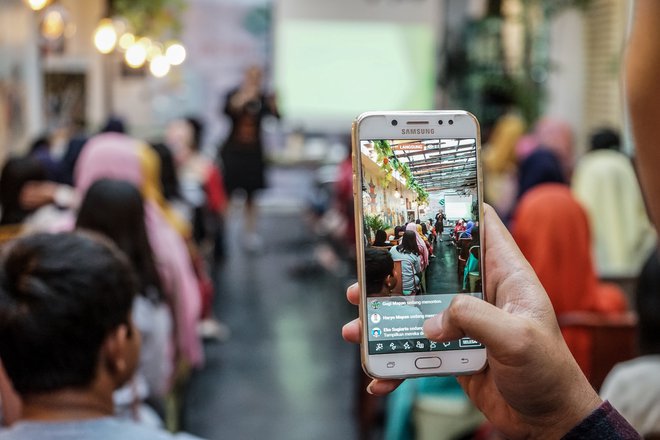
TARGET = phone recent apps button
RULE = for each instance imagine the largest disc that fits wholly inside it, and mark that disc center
(424, 363)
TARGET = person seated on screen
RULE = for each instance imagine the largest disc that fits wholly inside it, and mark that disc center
(398, 233)
(381, 239)
(67, 339)
(467, 233)
(407, 252)
(380, 273)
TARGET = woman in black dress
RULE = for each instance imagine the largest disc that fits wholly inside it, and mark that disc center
(242, 153)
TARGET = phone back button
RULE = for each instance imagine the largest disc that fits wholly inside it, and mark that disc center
(424, 363)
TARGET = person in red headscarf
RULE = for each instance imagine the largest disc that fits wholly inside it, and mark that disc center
(552, 230)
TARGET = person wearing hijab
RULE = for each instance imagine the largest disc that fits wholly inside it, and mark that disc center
(468, 230)
(557, 136)
(552, 231)
(421, 246)
(541, 166)
(500, 163)
(118, 156)
(606, 184)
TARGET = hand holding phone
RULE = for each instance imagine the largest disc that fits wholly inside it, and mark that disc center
(532, 387)
(418, 183)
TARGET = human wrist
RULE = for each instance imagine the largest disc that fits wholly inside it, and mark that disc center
(582, 402)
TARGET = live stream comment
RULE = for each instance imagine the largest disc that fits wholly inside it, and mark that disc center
(403, 317)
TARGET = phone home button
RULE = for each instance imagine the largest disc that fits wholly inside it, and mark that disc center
(424, 363)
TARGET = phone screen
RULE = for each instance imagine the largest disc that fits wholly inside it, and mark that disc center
(421, 233)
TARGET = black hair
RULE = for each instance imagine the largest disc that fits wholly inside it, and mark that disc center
(418, 221)
(605, 139)
(378, 264)
(380, 238)
(408, 243)
(15, 174)
(198, 131)
(61, 295)
(115, 209)
(169, 179)
(647, 298)
(425, 229)
(41, 142)
(114, 124)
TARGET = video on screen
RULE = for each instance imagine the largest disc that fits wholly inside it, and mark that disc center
(421, 235)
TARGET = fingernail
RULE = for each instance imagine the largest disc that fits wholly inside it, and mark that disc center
(433, 326)
(369, 390)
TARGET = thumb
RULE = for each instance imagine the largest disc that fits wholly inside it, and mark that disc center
(475, 318)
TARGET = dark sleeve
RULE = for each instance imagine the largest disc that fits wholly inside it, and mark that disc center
(605, 423)
(227, 110)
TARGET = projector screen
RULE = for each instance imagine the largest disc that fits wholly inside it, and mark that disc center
(458, 207)
(331, 65)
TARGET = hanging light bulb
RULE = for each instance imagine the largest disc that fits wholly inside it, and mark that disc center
(53, 24)
(105, 36)
(176, 54)
(136, 55)
(397, 194)
(37, 5)
(126, 41)
(159, 66)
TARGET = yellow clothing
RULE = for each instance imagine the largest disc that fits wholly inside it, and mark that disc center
(605, 183)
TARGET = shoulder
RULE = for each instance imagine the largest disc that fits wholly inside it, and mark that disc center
(103, 429)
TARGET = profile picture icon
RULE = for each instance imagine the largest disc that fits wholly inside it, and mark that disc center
(375, 318)
(375, 305)
(376, 332)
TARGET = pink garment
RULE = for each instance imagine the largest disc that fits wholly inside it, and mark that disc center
(116, 156)
(421, 246)
(557, 136)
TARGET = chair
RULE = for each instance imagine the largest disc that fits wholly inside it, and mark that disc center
(613, 339)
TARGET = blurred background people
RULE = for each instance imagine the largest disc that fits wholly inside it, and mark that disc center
(552, 231)
(606, 185)
(115, 209)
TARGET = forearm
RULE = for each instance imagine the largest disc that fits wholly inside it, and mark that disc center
(642, 71)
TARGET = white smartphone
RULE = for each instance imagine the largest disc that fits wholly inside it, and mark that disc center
(418, 207)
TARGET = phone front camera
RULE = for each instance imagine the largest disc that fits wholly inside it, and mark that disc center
(451, 122)
(440, 122)
(395, 122)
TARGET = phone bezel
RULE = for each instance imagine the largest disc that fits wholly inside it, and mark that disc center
(378, 125)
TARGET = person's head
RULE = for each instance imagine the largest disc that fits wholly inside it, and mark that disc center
(424, 228)
(380, 238)
(418, 221)
(379, 271)
(398, 231)
(542, 166)
(65, 303)
(605, 139)
(42, 143)
(16, 173)
(408, 243)
(179, 137)
(114, 124)
(115, 209)
(253, 76)
(469, 226)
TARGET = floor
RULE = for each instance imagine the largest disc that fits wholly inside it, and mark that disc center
(441, 275)
(285, 373)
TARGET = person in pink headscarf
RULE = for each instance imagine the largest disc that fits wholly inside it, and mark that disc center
(557, 136)
(118, 156)
(421, 246)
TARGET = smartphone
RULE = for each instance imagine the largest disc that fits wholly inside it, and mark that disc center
(418, 208)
